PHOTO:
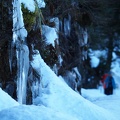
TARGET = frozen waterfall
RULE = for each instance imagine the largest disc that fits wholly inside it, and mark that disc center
(22, 52)
(23, 66)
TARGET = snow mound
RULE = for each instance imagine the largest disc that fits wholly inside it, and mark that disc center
(6, 101)
(57, 101)
(32, 112)
(56, 94)
(90, 94)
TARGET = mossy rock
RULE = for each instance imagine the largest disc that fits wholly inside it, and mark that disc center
(29, 17)
(49, 55)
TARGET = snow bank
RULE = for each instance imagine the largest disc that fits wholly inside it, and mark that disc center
(56, 94)
(33, 113)
(90, 94)
(57, 101)
(6, 101)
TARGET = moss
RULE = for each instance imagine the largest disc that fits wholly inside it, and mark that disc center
(29, 17)
(49, 55)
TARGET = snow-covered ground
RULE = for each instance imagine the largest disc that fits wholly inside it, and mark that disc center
(10, 109)
(58, 101)
(110, 102)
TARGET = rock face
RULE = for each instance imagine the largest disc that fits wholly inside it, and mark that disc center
(7, 72)
(8, 60)
(72, 47)
(6, 22)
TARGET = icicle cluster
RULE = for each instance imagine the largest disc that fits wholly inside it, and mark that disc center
(22, 52)
(19, 42)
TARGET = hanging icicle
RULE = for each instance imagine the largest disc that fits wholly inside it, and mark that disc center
(67, 25)
(22, 52)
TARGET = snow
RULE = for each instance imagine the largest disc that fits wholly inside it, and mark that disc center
(33, 113)
(30, 4)
(6, 101)
(41, 3)
(57, 101)
(95, 57)
(94, 61)
(98, 53)
(50, 34)
(18, 24)
(56, 21)
(110, 103)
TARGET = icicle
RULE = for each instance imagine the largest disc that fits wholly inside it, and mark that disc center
(19, 34)
(23, 66)
(85, 36)
(10, 57)
(67, 25)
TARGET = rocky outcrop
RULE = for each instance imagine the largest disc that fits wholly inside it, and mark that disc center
(6, 22)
